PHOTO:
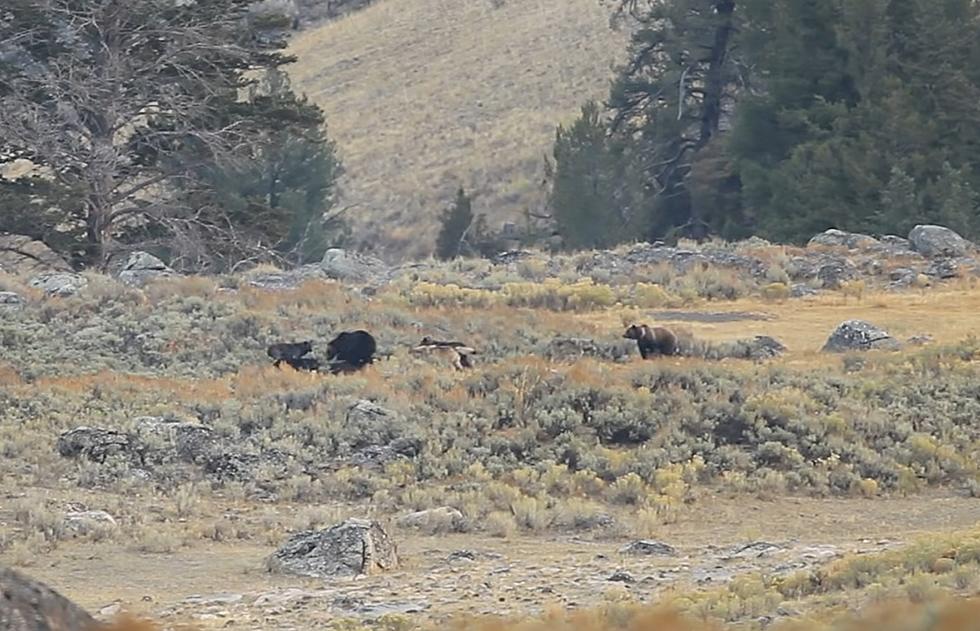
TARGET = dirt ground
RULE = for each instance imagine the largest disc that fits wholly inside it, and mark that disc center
(224, 585)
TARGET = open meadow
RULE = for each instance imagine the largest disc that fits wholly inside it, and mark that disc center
(794, 487)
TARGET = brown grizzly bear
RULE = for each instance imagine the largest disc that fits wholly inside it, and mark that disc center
(652, 340)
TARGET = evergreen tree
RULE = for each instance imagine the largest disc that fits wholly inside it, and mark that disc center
(593, 195)
(125, 104)
(456, 222)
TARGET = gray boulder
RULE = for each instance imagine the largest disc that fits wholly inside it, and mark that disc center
(189, 442)
(354, 268)
(60, 284)
(97, 444)
(30, 605)
(11, 300)
(369, 424)
(930, 240)
(142, 267)
(86, 522)
(840, 238)
(858, 335)
(350, 548)
(833, 275)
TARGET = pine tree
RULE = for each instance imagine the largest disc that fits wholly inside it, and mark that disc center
(124, 104)
(457, 221)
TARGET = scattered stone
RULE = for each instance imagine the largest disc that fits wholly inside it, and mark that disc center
(840, 238)
(919, 340)
(648, 547)
(753, 550)
(11, 300)
(85, 522)
(60, 284)
(29, 605)
(858, 335)
(442, 516)
(355, 546)
(621, 576)
(97, 444)
(935, 241)
(142, 267)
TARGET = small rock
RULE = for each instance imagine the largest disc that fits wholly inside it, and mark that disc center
(85, 522)
(621, 576)
(859, 335)
(442, 516)
(11, 300)
(60, 284)
(919, 340)
(930, 240)
(754, 550)
(355, 546)
(648, 547)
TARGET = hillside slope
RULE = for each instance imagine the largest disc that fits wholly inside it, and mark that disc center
(425, 95)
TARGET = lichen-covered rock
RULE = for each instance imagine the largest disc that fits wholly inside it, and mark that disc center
(840, 238)
(30, 605)
(858, 335)
(97, 444)
(59, 283)
(930, 240)
(350, 548)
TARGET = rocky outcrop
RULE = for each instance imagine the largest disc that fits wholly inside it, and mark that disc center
(858, 335)
(142, 267)
(842, 239)
(20, 254)
(354, 268)
(350, 548)
(933, 241)
(165, 438)
(61, 284)
(97, 444)
(30, 605)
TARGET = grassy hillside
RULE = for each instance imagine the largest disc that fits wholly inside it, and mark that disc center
(426, 95)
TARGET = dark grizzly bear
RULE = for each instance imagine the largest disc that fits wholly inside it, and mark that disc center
(311, 364)
(652, 341)
(288, 352)
(457, 353)
(353, 348)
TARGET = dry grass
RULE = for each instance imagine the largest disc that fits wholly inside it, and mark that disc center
(426, 95)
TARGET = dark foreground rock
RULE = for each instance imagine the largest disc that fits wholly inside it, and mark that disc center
(858, 335)
(29, 605)
(350, 548)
